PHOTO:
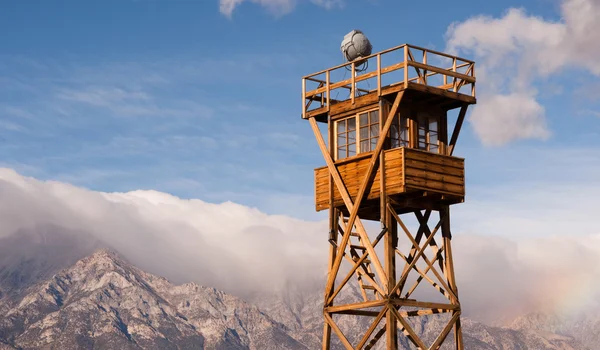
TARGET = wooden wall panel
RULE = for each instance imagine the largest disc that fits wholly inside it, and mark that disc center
(406, 169)
(434, 172)
(353, 173)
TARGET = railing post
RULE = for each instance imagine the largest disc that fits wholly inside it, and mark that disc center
(454, 78)
(425, 70)
(327, 74)
(378, 74)
(352, 91)
(406, 66)
(304, 98)
(473, 84)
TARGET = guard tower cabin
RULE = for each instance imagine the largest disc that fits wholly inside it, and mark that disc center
(419, 86)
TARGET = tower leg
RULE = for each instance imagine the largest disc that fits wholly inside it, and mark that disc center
(333, 223)
(449, 271)
(391, 241)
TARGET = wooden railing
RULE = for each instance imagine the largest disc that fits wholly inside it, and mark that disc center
(416, 65)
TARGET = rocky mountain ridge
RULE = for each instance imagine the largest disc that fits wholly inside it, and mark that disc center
(104, 302)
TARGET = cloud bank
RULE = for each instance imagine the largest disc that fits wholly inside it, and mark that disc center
(516, 54)
(244, 251)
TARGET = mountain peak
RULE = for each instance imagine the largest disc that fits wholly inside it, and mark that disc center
(113, 304)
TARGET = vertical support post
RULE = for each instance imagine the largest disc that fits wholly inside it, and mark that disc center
(333, 224)
(391, 242)
(405, 66)
(449, 271)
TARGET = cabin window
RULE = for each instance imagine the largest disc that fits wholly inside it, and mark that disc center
(428, 132)
(399, 132)
(369, 130)
(346, 138)
(367, 124)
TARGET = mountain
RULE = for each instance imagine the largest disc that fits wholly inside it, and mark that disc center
(103, 302)
(303, 314)
(36, 254)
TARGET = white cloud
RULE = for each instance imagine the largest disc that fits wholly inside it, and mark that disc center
(228, 246)
(551, 265)
(504, 118)
(514, 53)
(276, 7)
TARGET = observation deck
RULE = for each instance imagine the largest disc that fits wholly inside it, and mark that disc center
(427, 76)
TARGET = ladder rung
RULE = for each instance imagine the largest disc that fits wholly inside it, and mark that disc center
(355, 234)
(366, 261)
(357, 247)
(369, 287)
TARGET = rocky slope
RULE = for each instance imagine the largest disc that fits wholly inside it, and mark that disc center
(104, 302)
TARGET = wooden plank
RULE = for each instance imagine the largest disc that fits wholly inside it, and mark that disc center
(355, 306)
(424, 304)
(411, 333)
(347, 105)
(453, 74)
(441, 53)
(440, 339)
(441, 92)
(338, 331)
(372, 328)
(443, 178)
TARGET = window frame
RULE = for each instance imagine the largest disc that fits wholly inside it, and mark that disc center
(357, 128)
(424, 120)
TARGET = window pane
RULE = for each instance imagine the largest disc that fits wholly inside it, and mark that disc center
(433, 148)
(341, 152)
(395, 143)
(374, 117)
(364, 133)
(394, 132)
(341, 140)
(351, 150)
(374, 143)
(351, 123)
(364, 146)
(351, 136)
(433, 125)
(364, 120)
(421, 132)
(375, 130)
(341, 126)
(433, 138)
(404, 135)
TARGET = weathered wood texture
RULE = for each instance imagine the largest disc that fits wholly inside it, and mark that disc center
(406, 170)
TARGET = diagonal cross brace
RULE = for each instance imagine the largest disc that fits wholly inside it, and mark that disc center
(353, 207)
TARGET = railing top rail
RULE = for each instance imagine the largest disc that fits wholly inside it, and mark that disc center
(387, 51)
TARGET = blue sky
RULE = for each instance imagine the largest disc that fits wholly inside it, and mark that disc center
(179, 97)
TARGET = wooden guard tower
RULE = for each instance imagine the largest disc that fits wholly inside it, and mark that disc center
(389, 158)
